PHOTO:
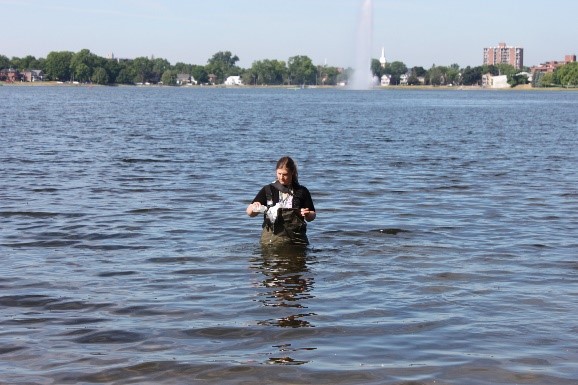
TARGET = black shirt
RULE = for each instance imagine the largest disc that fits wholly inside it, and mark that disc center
(301, 197)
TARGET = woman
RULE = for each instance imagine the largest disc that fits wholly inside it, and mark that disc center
(286, 205)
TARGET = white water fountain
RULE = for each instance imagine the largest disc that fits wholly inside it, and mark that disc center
(362, 78)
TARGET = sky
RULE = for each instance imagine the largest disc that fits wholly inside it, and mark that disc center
(416, 32)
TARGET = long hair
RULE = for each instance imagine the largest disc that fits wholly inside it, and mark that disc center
(289, 164)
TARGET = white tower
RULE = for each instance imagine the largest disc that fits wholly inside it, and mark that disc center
(382, 58)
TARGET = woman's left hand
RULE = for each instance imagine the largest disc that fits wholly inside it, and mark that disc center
(308, 214)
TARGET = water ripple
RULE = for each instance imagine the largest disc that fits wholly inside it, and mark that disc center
(444, 250)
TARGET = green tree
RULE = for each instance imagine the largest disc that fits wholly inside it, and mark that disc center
(57, 65)
(414, 76)
(472, 76)
(200, 74)
(567, 75)
(490, 69)
(517, 79)
(82, 64)
(270, 72)
(419, 71)
(223, 65)
(26, 63)
(328, 75)
(436, 75)
(125, 76)
(376, 68)
(301, 70)
(159, 66)
(396, 69)
(100, 76)
(454, 75)
(113, 68)
(142, 68)
(182, 68)
(506, 69)
(547, 80)
(4, 62)
(169, 78)
(81, 73)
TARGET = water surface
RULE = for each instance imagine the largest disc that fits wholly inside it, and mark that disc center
(444, 251)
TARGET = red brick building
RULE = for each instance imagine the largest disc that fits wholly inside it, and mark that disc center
(503, 54)
(9, 75)
(551, 65)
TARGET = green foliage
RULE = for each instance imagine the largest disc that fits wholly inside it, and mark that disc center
(301, 70)
(517, 79)
(200, 74)
(472, 76)
(271, 72)
(567, 75)
(547, 80)
(223, 65)
(57, 66)
(436, 76)
(490, 69)
(419, 71)
(81, 72)
(376, 69)
(100, 76)
(454, 75)
(142, 68)
(169, 78)
(26, 63)
(506, 69)
(4, 62)
(328, 75)
(125, 76)
(113, 69)
(84, 66)
(395, 69)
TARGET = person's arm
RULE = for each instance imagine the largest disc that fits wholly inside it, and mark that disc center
(260, 200)
(253, 209)
(309, 211)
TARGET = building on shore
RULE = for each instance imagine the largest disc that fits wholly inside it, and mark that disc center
(498, 81)
(503, 54)
(385, 80)
(552, 65)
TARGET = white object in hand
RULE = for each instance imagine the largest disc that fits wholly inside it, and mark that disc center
(261, 209)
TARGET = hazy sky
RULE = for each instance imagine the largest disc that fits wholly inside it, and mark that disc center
(416, 32)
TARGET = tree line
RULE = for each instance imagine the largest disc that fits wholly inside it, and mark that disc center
(87, 67)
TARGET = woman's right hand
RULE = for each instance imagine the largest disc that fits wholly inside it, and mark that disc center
(253, 209)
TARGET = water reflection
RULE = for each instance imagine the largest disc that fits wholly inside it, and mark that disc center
(288, 284)
(286, 287)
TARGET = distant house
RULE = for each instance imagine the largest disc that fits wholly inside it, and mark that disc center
(10, 75)
(212, 78)
(385, 80)
(185, 79)
(490, 81)
(552, 65)
(33, 76)
(234, 81)
(403, 79)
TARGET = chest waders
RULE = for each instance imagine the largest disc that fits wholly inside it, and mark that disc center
(288, 228)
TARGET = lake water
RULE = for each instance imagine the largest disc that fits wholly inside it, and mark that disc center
(445, 250)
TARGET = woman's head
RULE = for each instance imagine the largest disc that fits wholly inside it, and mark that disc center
(287, 171)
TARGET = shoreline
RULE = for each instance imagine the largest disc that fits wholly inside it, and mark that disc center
(526, 87)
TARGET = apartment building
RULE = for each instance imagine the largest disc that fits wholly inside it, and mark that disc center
(503, 54)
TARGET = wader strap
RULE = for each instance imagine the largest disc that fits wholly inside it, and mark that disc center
(281, 188)
(269, 195)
